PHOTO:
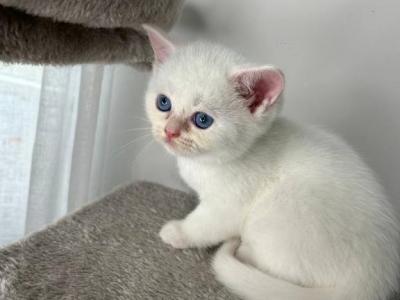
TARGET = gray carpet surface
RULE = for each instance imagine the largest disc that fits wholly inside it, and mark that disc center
(66, 32)
(111, 250)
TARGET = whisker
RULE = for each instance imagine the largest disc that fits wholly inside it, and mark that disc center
(142, 129)
(129, 144)
(137, 129)
(141, 118)
(144, 148)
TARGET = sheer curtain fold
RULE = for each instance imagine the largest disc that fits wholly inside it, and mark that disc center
(85, 133)
(64, 149)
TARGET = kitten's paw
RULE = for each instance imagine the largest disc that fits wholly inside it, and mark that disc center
(172, 234)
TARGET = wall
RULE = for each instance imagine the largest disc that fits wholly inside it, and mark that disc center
(341, 60)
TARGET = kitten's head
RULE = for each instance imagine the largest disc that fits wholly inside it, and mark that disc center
(205, 102)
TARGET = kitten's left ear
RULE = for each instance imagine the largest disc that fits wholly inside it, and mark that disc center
(162, 47)
(260, 87)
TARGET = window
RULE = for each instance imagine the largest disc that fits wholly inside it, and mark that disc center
(20, 88)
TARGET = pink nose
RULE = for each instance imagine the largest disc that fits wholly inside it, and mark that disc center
(172, 133)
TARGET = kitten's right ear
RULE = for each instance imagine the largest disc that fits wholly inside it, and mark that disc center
(162, 47)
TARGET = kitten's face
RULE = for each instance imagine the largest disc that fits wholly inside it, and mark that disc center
(200, 106)
(206, 119)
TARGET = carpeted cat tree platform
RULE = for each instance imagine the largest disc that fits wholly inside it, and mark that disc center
(111, 250)
(64, 32)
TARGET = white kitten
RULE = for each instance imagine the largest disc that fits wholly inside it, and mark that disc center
(312, 220)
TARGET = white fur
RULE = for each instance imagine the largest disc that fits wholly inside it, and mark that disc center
(312, 220)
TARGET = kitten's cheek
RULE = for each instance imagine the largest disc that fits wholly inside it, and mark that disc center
(172, 234)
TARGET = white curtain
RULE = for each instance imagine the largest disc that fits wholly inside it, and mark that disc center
(69, 135)
(53, 130)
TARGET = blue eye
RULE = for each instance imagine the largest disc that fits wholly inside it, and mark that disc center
(163, 103)
(202, 120)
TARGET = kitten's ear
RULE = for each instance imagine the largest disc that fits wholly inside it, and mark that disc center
(260, 87)
(162, 47)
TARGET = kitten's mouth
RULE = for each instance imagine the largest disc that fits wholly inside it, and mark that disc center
(175, 147)
(170, 144)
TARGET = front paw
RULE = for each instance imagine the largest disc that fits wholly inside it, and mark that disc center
(172, 234)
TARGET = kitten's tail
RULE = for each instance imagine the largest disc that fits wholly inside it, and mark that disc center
(252, 284)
